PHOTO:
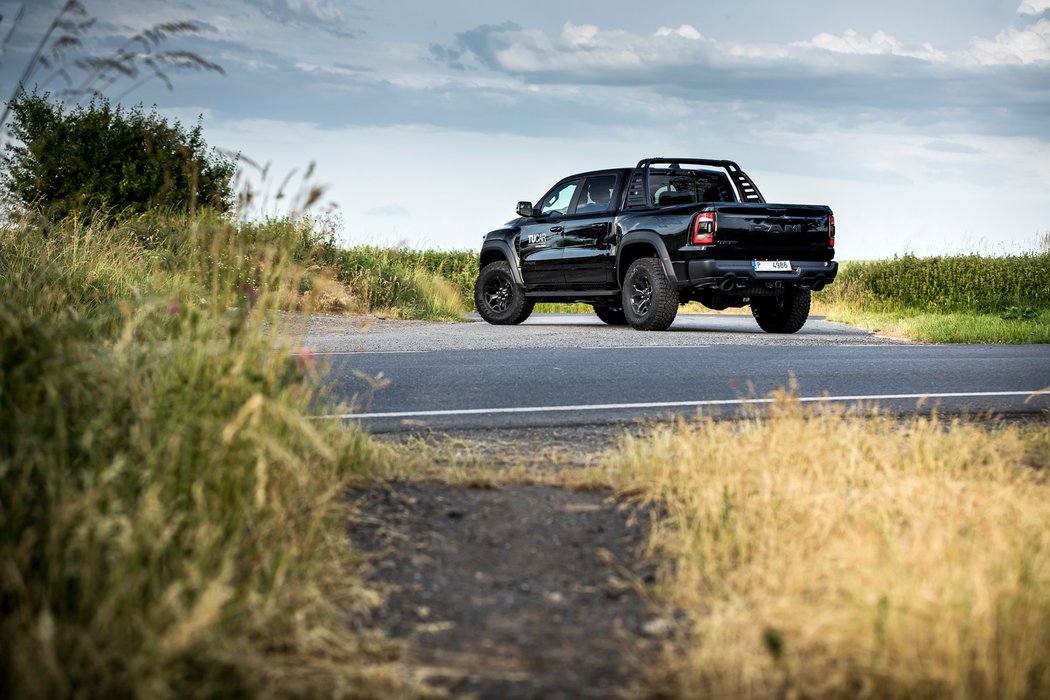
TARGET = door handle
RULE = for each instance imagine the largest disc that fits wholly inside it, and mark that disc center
(556, 229)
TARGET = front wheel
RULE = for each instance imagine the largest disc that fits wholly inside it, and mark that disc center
(784, 314)
(497, 298)
(650, 303)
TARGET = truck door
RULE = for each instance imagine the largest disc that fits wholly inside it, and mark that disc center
(587, 260)
(540, 243)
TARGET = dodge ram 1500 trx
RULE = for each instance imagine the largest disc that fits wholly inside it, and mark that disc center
(635, 243)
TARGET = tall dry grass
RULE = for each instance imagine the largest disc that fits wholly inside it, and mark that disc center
(406, 283)
(815, 554)
(171, 523)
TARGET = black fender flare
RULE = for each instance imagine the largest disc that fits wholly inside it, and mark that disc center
(652, 239)
(508, 253)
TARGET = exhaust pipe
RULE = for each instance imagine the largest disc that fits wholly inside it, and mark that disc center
(818, 285)
(728, 284)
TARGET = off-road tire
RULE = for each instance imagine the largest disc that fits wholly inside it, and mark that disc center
(497, 298)
(611, 314)
(784, 314)
(650, 303)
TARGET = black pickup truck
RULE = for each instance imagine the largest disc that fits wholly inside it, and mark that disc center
(637, 242)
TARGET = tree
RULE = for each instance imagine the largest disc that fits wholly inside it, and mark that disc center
(103, 158)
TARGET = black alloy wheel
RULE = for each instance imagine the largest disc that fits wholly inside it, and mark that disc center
(497, 294)
(641, 294)
(650, 303)
(498, 299)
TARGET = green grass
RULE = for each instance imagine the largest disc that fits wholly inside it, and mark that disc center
(171, 522)
(564, 309)
(961, 299)
(949, 327)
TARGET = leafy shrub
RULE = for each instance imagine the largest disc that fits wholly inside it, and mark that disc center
(100, 158)
(1020, 313)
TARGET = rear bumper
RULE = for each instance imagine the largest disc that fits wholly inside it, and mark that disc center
(729, 274)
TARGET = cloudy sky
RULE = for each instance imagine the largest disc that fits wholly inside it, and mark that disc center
(924, 125)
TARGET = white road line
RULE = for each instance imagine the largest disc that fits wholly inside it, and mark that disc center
(672, 404)
(582, 347)
(367, 352)
(634, 347)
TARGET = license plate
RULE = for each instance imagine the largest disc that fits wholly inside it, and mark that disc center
(772, 265)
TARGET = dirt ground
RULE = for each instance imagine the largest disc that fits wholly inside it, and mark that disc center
(515, 590)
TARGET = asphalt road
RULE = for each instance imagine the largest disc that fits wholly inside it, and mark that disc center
(558, 370)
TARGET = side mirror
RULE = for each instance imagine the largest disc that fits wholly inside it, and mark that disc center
(525, 209)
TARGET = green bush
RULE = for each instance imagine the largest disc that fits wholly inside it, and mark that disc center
(100, 158)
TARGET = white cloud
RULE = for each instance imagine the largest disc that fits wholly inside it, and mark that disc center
(1014, 47)
(878, 44)
(686, 31)
(588, 49)
(582, 36)
(588, 52)
(1009, 47)
(317, 11)
(849, 78)
(1033, 7)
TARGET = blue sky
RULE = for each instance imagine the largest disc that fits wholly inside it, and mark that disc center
(925, 125)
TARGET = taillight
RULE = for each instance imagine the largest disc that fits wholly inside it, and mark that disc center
(831, 230)
(704, 228)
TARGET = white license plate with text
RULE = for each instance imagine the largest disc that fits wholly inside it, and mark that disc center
(772, 265)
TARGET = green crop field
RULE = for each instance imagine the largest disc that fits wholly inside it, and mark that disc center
(960, 299)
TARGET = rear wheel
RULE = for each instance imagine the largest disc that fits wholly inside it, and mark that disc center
(611, 314)
(650, 303)
(498, 299)
(784, 314)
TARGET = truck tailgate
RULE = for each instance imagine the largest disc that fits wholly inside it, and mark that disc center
(773, 230)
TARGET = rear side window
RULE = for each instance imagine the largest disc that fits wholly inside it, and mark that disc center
(596, 196)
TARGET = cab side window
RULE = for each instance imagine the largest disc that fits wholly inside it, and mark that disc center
(597, 193)
(558, 200)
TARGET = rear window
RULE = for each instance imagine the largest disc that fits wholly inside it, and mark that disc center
(673, 187)
(678, 187)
